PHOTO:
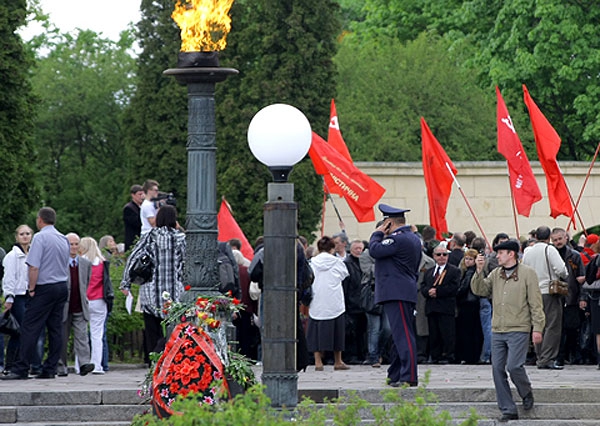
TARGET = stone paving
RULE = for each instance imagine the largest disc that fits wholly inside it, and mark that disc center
(130, 377)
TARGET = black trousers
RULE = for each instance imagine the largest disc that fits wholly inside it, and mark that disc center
(44, 309)
(442, 336)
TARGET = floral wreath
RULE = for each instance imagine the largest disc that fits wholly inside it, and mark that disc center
(189, 364)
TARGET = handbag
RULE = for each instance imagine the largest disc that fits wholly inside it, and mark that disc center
(9, 324)
(254, 290)
(142, 270)
(591, 287)
(367, 301)
(556, 287)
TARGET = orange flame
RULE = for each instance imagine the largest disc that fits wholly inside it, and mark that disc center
(204, 24)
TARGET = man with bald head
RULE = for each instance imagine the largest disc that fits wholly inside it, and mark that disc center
(76, 314)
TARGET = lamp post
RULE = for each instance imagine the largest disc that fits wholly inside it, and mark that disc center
(279, 136)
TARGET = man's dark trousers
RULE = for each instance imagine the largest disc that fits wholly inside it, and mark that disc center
(44, 309)
(403, 367)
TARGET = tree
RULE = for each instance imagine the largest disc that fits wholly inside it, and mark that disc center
(18, 187)
(385, 85)
(551, 46)
(156, 120)
(83, 83)
(284, 53)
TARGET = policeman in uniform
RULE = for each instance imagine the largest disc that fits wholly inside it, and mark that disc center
(397, 253)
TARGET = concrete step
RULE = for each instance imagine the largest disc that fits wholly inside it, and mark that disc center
(70, 413)
(578, 406)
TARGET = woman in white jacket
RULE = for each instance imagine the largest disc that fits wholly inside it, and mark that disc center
(14, 286)
(326, 324)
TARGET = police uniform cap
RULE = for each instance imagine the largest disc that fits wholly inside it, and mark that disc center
(389, 211)
(508, 245)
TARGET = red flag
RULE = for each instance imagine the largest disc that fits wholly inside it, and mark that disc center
(438, 179)
(360, 191)
(524, 187)
(228, 229)
(334, 138)
(547, 142)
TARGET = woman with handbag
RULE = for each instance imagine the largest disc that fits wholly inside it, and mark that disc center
(165, 248)
(326, 324)
(14, 288)
(100, 297)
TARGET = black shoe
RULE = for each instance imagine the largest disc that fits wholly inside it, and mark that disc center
(550, 367)
(528, 401)
(14, 376)
(86, 368)
(45, 375)
(35, 371)
(62, 373)
(507, 416)
(400, 384)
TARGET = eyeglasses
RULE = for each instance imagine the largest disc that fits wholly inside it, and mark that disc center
(24, 233)
(440, 254)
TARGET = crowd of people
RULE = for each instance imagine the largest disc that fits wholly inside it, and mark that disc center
(55, 285)
(400, 298)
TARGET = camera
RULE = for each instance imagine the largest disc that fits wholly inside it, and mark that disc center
(164, 198)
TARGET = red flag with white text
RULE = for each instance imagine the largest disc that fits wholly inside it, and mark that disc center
(228, 228)
(547, 142)
(359, 190)
(524, 187)
(438, 171)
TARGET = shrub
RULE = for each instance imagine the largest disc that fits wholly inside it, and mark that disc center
(254, 408)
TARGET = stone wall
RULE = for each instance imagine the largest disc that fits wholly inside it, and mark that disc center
(486, 187)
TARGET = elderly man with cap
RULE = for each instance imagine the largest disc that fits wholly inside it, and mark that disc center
(517, 308)
(397, 253)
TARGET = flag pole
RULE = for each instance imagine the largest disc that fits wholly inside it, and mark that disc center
(328, 195)
(323, 213)
(468, 204)
(514, 206)
(587, 177)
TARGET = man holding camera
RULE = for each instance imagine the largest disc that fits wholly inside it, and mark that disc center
(517, 308)
(148, 208)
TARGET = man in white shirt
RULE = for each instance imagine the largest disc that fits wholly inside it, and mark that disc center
(548, 265)
(148, 208)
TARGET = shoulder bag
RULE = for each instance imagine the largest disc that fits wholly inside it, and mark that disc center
(556, 287)
(9, 324)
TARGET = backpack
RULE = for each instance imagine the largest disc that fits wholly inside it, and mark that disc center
(227, 275)
(305, 286)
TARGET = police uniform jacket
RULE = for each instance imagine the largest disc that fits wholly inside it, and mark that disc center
(397, 258)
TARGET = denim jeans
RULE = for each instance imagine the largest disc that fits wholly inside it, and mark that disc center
(485, 315)
(105, 344)
(378, 332)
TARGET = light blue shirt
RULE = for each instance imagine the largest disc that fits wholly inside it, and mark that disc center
(50, 253)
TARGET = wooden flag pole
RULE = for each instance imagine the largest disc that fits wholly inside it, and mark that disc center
(328, 194)
(323, 213)
(587, 177)
(468, 204)
(514, 207)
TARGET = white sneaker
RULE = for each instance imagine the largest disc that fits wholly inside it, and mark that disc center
(98, 372)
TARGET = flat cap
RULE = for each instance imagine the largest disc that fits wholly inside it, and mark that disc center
(389, 211)
(512, 245)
